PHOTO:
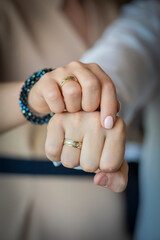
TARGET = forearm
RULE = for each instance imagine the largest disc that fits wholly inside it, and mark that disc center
(11, 115)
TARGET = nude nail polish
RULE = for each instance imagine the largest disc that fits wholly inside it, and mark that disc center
(108, 122)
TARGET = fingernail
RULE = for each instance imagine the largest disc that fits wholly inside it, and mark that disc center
(108, 122)
(103, 181)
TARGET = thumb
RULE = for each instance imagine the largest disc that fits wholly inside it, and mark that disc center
(109, 105)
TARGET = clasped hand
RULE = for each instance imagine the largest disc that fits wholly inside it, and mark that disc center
(94, 89)
(103, 138)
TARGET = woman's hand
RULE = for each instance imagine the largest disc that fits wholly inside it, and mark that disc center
(94, 89)
(102, 150)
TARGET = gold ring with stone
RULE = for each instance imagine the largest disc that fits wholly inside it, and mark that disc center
(72, 143)
(68, 78)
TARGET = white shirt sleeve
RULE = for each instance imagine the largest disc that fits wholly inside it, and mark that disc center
(129, 52)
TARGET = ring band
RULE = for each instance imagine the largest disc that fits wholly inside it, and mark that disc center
(69, 78)
(72, 143)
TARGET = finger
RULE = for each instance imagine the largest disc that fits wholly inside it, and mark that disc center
(52, 95)
(70, 156)
(118, 107)
(91, 150)
(114, 148)
(108, 103)
(116, 181)
(72, 96)
(54, 140)
(91, 88)
(71, 90)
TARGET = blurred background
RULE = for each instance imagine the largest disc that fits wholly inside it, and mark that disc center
(39, 201)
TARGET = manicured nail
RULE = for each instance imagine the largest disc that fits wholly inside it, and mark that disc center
(103, 181)
(108, 122)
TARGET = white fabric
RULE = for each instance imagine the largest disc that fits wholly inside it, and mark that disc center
(129, 53)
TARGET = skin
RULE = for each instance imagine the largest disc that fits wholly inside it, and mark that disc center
(94, 89)
(98, 153)
(11, 115)
(97, 91)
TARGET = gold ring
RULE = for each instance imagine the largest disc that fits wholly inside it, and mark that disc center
(72, 143)
(69, 78)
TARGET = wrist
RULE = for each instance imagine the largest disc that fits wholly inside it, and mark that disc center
(25, 107)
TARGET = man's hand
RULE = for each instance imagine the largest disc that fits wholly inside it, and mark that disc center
(94, 89)
(102, 150)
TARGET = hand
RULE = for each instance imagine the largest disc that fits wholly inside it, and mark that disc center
(102, 150)
(94, 89)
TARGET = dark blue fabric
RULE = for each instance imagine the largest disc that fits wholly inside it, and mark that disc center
(34, 167)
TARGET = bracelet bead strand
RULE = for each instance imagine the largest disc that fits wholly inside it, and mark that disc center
(23, 99)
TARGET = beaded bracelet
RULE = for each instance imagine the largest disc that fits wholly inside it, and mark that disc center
(24, 97)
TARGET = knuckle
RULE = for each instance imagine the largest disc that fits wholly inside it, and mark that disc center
(76, 64)
(94, 65)
(52, 152)
(60, 70)
(44, 79)
(89, 108)
(73, 92)
(109, 85)
(104, 167)
(89, 167)
(91, 84)
(53, 96)
(109, 168)
(112, 166)
(68, 163)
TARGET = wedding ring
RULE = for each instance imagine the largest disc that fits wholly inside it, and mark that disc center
(72, 143)
(69, 78)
